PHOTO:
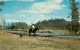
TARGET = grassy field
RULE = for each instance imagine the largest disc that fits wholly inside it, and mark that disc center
(57, 31)
(10, 41)
(60, 32)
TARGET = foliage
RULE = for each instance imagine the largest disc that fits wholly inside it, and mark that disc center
(69, 27)
(1, 3)
(52, 24)
(75, 16)
(19, 25)
(39, 25)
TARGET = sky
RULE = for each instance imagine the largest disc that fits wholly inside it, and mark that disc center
(32, 11)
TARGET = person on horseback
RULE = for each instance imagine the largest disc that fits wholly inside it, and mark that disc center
(33, 29)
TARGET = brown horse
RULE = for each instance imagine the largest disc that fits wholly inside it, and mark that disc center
(33, 31)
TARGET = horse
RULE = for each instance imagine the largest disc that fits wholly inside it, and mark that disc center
(33, 31)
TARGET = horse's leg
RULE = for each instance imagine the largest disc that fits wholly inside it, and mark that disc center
(34, 33)
(29, 33)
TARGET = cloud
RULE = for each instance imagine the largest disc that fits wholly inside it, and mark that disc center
(47, 6)
(22, 15)
(36, 18)
(16, 15)
(28, 22)
(23, 11)
(59, 17)
(7, 15)
(16, 0)
(12, 20)
(54, 1)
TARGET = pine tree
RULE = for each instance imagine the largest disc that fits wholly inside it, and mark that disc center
(75, 16)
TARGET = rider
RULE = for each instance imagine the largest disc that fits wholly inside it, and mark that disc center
(32, 27)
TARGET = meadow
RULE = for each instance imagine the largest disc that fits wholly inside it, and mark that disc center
(9, 41)
(66, 32)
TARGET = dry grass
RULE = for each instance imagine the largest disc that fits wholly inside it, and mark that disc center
(57, 31)
(10, 41)
(61, 32)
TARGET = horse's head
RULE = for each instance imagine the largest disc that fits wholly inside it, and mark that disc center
(37, 28)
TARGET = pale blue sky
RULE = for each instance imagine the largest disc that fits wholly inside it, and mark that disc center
(32, 11)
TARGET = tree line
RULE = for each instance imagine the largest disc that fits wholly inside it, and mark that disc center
(18, 25)
(52, 24)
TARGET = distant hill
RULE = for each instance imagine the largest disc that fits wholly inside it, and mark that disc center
(52, 24)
